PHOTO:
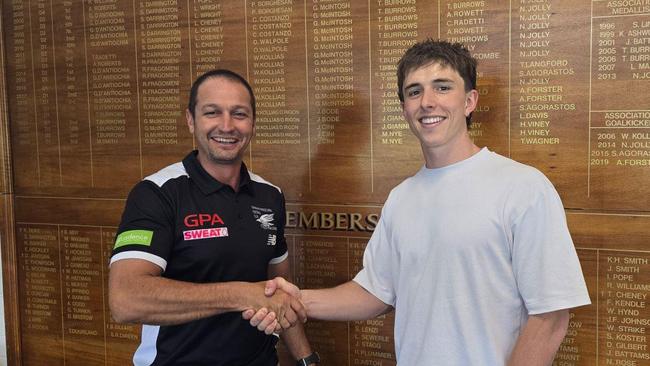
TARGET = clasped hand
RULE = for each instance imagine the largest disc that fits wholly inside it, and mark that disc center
(282, 309)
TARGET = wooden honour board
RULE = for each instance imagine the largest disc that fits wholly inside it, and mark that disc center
(93, 94)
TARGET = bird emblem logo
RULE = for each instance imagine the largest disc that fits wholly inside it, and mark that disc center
(266, 221)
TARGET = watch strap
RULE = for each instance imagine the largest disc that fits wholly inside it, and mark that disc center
(306, 361)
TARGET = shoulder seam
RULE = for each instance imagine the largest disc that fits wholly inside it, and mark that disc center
(256, 178)
(166, 174)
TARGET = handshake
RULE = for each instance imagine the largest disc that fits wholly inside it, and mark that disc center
(281, 309)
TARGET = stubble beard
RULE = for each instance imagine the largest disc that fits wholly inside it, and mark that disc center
(227, 157)
(221, 158)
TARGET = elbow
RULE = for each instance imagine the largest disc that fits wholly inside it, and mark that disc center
(122, 309)
(120, 313)
(120, 316)
(124, 293)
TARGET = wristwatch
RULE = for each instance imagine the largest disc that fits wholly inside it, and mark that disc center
(313, 358)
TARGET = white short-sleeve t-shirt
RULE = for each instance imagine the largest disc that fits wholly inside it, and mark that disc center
(465, 253)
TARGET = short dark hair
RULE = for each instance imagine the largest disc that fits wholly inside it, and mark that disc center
(430, 51)
(218, 73)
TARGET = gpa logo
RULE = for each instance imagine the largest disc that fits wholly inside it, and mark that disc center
(265, 217)
(201, 219)
(197, 222)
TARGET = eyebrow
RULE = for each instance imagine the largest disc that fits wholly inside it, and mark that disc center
(434, 81)
(442, 80)
(411, 85)
(209, 105)
(213, 105)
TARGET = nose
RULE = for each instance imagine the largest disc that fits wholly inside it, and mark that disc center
(429, 99)
(227, 123)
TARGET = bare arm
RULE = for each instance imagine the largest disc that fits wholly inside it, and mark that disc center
(348, 301)
(138, 294)
(345, 302)
(540, 339)
(294, 338)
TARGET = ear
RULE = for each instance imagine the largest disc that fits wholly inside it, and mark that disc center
(471, 101)
(190, 120)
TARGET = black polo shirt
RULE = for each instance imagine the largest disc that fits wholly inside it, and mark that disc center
(200, 230)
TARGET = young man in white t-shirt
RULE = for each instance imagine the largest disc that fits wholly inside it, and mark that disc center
(473, 252)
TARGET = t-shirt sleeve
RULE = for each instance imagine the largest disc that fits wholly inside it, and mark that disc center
(281, 252)
(545, 262)
(378, 275)
(146, 228)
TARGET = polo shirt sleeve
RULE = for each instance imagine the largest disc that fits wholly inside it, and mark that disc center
(379, 273)
(146, 229)
(545, 263)
(281, 252)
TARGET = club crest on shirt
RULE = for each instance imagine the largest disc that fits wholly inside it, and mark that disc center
(265, 217)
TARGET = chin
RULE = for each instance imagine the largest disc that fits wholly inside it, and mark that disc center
(224, 160)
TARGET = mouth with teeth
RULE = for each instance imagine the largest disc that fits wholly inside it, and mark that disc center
(224, 140)
(431, 120)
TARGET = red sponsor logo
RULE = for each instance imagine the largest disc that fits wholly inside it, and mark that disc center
(196, 220)
(216, 232)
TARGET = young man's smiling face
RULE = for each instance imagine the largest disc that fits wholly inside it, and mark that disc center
(436, 106)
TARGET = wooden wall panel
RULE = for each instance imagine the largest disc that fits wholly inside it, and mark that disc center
(7, 238)
(93, 95)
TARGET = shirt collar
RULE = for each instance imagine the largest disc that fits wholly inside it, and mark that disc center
(206, 183)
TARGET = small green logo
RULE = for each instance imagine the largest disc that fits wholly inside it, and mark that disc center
(135, 237)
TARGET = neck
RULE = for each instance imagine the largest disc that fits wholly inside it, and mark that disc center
(438, 157)
(225, 173)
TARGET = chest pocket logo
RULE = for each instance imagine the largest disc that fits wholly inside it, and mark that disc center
(266, 221)
(265, 217)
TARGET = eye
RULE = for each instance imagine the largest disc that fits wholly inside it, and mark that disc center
(412, 92)
(240, 114)
(210, 113)
(444, 88)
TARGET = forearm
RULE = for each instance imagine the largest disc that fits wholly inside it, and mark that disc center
(296, 342)
(540, 339)
(158, 300)
(345, 302)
